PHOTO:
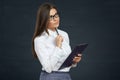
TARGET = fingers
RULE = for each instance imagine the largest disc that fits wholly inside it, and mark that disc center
(59, 37)
(76, 59)
(59, 40)
(79, 55)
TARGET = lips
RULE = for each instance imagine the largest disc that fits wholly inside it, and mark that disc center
(56, 23)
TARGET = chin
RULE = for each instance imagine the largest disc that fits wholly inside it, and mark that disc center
(56, 26)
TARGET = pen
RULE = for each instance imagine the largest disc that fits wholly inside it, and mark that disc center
(57, 31)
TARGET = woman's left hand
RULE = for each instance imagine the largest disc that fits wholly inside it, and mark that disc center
(77, 58)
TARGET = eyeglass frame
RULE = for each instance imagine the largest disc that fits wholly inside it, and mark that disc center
(52, 17)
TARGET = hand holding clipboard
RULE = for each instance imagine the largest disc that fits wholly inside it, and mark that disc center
(77, 50)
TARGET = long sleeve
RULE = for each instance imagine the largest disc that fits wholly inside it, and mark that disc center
(50, 57)
(66, 44)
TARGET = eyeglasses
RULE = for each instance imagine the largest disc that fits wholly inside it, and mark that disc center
(52, 17)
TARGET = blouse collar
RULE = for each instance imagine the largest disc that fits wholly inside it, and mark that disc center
(51, 33)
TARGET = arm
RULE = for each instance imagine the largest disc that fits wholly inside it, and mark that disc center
(49, 61)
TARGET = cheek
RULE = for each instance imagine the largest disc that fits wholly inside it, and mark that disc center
(49, 24)
(59, 20)
(54, 24)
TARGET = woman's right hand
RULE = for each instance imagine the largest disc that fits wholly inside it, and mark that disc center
(59, 40)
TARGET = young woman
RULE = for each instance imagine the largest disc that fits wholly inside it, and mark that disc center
(50, 47)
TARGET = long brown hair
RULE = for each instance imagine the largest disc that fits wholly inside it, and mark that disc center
(41, 22)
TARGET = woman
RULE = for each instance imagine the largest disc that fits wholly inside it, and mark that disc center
(51, 48)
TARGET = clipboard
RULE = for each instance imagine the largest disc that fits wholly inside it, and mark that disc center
(77, 50)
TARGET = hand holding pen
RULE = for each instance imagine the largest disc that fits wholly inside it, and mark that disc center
(59, 39)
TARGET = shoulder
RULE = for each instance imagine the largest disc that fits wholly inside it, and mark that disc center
(39, 38)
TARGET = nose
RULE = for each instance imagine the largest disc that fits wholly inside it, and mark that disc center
(55, 19)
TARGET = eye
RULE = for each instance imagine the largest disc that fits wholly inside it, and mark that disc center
(56, 15)
(51, 16)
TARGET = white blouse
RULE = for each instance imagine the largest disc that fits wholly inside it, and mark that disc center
(50, 56)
